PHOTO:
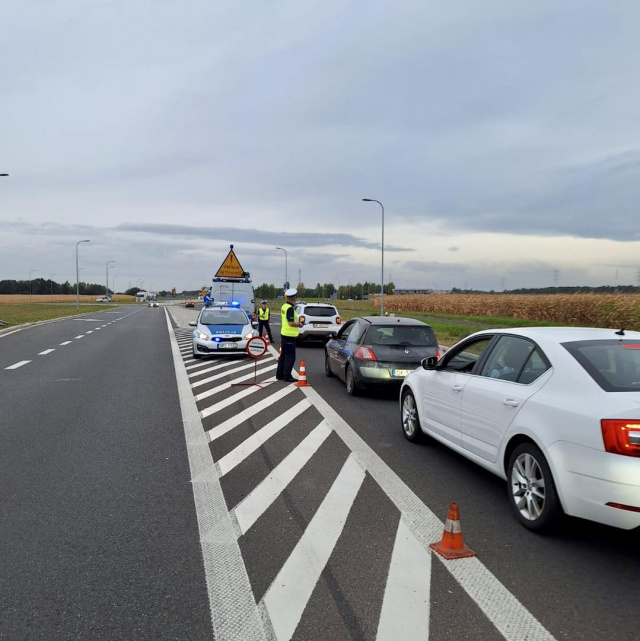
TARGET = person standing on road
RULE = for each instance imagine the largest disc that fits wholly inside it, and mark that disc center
(288, 335)
(264, 314)
(207, 300)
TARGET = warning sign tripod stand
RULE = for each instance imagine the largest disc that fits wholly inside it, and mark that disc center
(256, 348)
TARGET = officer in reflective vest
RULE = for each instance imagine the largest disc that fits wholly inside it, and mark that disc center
(264, 313)
(288, 335)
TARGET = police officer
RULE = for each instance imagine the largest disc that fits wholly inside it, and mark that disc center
(264, 313)
(207, 300)
(288, 335)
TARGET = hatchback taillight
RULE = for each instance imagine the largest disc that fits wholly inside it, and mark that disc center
(438, 353)
(338, 320)
(365, 354)
(621, 436)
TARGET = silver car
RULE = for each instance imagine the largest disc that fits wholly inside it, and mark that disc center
(221, 330)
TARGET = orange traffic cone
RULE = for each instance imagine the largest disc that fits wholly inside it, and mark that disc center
(279, 352)
(266, 338)
(302, 378)
(452, 546)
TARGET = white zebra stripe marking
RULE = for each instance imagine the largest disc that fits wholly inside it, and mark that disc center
(212, 409)
(250, 445)
(216, 377)
(290, 591)
(253, 506)
(239, 379)
(407, 595)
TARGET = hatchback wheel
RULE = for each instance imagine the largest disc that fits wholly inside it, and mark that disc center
(532, 492)
(352, 390)
(409, 417)
(327, 366)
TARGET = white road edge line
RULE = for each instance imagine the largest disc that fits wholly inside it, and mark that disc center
(234, 612)
(288, 595)
(501, 607)
(407, 595)
(16, 365)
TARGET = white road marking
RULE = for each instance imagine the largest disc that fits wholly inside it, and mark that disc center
(66, 343)
(76, 337)
(198, 364)
(257, 440)
(506, 613)
(212, 409)
(216, 377)
(90, 331)
(290, 591)
(210, 369)
(256, 408)
(239, 379)
(46, 351)
(407, 595)
(253, 506)
(16, 365)
(234, 613)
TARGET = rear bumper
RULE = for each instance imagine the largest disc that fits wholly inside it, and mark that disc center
(588, 479)
(210, 347)
(310, 332)
(383, 374)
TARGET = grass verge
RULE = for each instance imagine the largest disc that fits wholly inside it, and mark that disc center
(18, 313)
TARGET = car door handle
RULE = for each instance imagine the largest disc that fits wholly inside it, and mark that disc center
(511, 402)
(457, 388)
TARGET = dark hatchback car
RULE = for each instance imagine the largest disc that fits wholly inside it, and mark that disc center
(375, 351)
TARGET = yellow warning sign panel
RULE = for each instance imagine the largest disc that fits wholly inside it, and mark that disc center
(230, 268)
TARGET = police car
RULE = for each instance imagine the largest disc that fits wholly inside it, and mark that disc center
(220, 330)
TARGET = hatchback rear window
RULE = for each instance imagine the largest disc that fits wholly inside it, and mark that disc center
(613, 364)
(317, 310)
(401, 335)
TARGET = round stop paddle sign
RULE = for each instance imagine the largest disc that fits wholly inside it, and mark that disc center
(256, 347)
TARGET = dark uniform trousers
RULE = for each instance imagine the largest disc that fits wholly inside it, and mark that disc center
(264, 325)
(287, 358)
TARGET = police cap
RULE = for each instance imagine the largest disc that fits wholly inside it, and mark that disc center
(290, 293)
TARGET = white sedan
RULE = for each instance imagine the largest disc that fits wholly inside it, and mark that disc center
(553, 411)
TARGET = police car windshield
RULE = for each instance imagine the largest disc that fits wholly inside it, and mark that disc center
(224, 317)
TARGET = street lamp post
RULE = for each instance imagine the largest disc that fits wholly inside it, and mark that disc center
(30, 283)
(51, 281)
(78, 275)
(107, 268)
(286, 270)
(372, 200)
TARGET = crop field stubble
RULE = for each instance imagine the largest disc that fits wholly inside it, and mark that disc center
(587, 310)
(16, 309)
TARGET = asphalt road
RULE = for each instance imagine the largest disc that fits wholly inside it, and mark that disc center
(573, 582)
(102, 538)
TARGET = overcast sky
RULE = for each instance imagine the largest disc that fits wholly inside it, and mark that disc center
(502, 137)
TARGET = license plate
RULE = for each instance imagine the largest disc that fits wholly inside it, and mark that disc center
(400, 373)
(321, 325)
(227, 346)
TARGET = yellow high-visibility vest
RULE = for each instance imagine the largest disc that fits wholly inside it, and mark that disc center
(263, 314)
(286, 329)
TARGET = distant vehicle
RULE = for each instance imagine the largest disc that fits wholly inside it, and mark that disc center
(141, 297)
(153, 303)
(221, 330)
(553, 411)
(189, 303)
(376, 352)
(321, 321)
(103, 299)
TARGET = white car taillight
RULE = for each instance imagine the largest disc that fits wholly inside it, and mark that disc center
(621, 436)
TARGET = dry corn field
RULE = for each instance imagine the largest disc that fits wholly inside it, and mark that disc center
(592, 310)
(57, 298)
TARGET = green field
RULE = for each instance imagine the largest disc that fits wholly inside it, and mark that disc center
(12, 314)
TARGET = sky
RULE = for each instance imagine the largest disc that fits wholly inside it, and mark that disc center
(502, 139)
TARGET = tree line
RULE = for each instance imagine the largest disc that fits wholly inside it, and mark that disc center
(40, 286)
(356, 291)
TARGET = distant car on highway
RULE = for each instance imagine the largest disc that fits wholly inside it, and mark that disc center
(190, 303)
(321, 321)
(221, 330)
(103, 299)
(153, 303)
(374, 352)
(553, 411)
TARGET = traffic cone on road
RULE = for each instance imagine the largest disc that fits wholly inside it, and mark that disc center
(266, 339)
(302, 378)
(279, 352)
(452, 546)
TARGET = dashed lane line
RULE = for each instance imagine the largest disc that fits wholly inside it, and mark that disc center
(75, 338)
(66, 343)
(46, 351)
(16, 365)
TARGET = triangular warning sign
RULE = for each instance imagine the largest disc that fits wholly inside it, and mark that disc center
(230, 268)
